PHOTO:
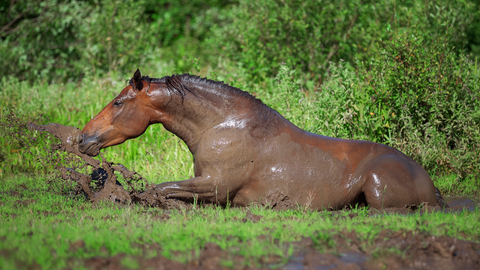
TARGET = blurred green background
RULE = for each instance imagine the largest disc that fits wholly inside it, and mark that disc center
(402, 73)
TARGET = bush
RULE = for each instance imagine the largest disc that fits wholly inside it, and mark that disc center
(65, 40)
(307, 35)
(39, 38)
(427, 102)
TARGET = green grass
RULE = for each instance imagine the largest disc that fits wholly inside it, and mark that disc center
(44, 230)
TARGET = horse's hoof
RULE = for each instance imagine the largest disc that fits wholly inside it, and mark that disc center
(100, 176)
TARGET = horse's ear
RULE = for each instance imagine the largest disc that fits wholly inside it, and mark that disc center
(137, 80)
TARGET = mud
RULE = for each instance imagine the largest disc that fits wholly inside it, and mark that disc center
(458, 204)
(102, 183)
(455, 205)
(103, 172)
(139, 190)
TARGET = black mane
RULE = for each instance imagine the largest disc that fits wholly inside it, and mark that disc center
(178, 84)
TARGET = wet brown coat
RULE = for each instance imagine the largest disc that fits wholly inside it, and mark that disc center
(245, 152)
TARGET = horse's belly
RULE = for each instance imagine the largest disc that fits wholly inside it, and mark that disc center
(304, 176)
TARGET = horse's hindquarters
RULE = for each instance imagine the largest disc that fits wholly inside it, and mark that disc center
(397, 181)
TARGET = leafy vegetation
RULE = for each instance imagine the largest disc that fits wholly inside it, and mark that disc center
(308, 36)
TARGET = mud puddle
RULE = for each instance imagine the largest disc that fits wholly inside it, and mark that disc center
(454, 205)
(458, 204)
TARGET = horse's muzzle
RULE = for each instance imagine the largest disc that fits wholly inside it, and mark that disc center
(89, 145)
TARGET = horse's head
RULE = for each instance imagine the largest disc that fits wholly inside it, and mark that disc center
(126, 116)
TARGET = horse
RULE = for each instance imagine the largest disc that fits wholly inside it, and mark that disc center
(245, 152)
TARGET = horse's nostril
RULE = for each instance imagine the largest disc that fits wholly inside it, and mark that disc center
(80, 138)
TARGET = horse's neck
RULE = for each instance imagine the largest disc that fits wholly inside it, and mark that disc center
(201, 111)
(191, 118)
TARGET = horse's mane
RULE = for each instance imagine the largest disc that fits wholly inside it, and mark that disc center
(179, 84)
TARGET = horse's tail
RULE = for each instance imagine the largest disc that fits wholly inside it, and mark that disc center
(440, 200)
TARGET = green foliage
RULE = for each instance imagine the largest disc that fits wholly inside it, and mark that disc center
(307, 35)
(172, 20)
(39, 38)
(65, 40)
(434, 95)
(113, 37)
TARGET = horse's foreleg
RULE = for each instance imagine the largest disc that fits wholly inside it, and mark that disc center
(200, 188)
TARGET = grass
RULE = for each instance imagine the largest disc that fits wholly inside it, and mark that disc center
(41, 226)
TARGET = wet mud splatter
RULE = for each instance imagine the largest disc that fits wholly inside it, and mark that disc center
(97, 180)
(139, 189)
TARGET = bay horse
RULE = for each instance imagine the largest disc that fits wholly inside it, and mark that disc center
(244, 152)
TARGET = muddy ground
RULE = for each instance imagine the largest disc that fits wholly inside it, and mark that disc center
(404, 249)
(390, 250)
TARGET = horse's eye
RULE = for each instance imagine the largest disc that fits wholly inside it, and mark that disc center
(117, 103)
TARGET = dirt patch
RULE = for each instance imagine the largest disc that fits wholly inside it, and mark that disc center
(251, 217)
(212, 257)
(76, 246)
